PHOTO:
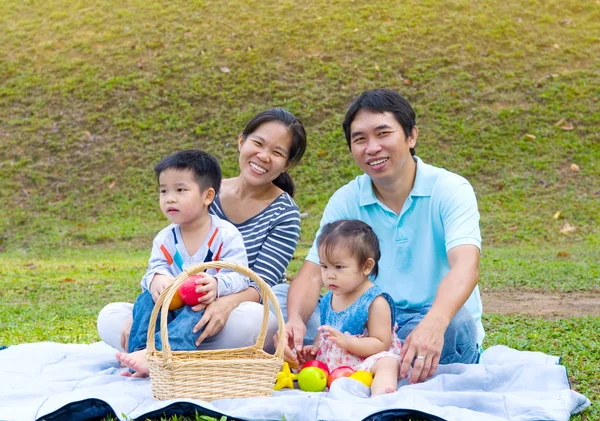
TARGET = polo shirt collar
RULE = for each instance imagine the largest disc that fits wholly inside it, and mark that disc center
(423, 185)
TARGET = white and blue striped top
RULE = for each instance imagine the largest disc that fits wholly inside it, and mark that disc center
(270, 237)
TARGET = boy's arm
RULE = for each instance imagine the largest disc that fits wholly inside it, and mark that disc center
(234, 251)
(157, 264)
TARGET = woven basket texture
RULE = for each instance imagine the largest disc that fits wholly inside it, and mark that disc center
(215, 374)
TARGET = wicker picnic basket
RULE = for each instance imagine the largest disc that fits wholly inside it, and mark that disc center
(214, 374)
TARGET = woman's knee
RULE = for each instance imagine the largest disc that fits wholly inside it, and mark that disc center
(111, 320)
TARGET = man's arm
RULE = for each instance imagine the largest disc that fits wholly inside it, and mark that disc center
(302, 299)
(427, 340)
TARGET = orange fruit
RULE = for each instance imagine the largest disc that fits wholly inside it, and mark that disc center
(176, 302)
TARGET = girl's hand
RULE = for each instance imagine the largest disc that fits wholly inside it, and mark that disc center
(308, 353)
(209, 285)
(334, 335)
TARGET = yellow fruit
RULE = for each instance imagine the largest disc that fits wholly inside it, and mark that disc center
(364, 377)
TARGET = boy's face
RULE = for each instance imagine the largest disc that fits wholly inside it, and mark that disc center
(181, 199)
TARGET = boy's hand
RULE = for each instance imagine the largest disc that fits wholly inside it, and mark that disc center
(334, 335)
(158, 285)
(209, 285)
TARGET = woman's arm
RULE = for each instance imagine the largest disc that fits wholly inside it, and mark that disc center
(278, 248)
(379, 326)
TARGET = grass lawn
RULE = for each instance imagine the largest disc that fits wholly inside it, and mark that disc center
(94, 93)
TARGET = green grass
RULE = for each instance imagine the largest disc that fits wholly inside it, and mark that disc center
(94, 93)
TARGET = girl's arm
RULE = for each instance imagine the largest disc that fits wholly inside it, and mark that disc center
(379, 326)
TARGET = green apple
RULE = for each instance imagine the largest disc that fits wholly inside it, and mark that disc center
(312, 379)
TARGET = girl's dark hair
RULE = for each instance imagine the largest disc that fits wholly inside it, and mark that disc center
(354, 235)
(296, 129)
(382, 101)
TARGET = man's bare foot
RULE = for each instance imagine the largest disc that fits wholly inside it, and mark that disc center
(135, 361)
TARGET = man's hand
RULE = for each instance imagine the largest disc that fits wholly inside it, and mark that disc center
(214, 318)
(158, 285)
(295, 329)
(424, 347)
(210, 286)
(334, 335)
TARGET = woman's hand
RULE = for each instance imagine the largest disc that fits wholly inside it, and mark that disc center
(215, 316)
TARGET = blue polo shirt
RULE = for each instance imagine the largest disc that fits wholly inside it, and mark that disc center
(440, 213)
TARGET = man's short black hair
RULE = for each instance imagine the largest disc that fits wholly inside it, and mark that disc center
(204, 166)
(382, 101)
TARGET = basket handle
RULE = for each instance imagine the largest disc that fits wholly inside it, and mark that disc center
(167, 295)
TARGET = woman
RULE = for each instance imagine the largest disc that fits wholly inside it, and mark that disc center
(259, 203)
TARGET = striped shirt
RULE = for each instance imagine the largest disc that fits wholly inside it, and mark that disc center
(270, 237)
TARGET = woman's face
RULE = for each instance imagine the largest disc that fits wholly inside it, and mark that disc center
(264, 153)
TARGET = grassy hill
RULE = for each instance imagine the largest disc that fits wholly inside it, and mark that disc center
(94, 93)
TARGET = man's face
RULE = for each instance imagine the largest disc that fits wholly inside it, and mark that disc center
(379, 146)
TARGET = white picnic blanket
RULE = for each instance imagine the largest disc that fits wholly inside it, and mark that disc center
(78, 382)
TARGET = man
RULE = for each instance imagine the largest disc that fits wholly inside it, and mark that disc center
(427, 221)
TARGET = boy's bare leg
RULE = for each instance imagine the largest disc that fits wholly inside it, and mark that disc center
(385, 376)
(135, 361)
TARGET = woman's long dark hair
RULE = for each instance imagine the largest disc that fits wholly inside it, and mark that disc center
(296, 129)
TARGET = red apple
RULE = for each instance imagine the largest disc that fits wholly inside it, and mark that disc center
(341, 371)
(315, 363)
(187, 291)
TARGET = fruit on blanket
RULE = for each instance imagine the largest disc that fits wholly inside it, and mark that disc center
(364, 377)
(285, 378)
(176, 302)
(187, 291)
(341, 371)
(312, 379)
(315, 363)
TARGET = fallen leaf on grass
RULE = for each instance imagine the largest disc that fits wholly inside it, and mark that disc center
(560, 122)
(563, 254)
(225, 69)
(567, 127)
(530, 136)
(67, 280)
(575, 168)
(556, 215)
(556, 46)
(513, 228)
(113, 184)
(568, 229)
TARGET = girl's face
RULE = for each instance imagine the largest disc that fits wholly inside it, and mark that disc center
(341, 271)
(264, 153)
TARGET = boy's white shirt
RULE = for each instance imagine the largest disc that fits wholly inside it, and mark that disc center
(226, 244)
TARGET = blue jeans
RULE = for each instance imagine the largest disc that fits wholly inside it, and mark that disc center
(460, 339)
(179, 327)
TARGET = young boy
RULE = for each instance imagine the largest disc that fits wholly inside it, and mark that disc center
(188, 182)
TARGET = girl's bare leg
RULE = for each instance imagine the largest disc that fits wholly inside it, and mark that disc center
(385, 376)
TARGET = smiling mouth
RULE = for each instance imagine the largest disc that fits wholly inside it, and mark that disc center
(258, 168)
(377, 162)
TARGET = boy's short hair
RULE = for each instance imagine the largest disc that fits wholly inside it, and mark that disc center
(204, 166)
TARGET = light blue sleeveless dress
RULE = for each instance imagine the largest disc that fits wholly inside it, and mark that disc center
(353, 321)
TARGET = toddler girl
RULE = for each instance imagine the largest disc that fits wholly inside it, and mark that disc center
(357, 327)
